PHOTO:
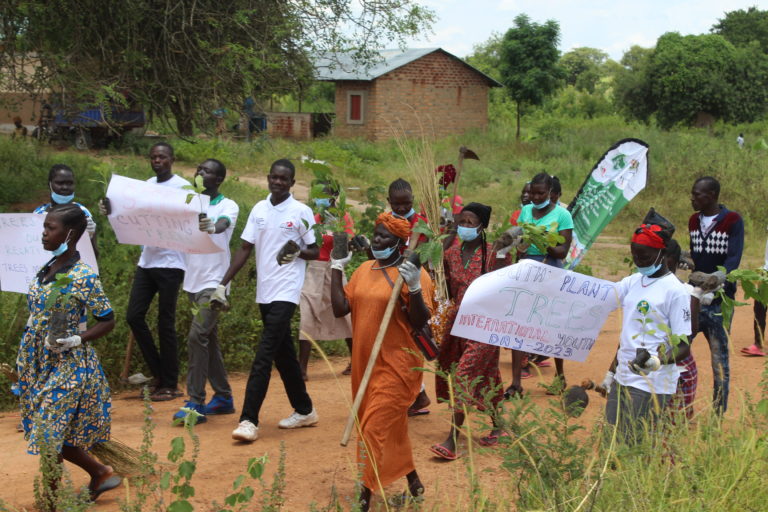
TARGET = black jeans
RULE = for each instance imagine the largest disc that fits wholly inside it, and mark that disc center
(164, 282)
(760, 311)
(275, 345)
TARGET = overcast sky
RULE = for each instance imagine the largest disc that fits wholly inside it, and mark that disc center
(613, 26)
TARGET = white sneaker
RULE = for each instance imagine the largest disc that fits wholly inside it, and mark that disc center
(297, 420)
(246, 431)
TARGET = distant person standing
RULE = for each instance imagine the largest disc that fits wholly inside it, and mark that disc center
(19, 130)
(279, 229)
(203, 275)
(159, 272)
(717, 239)
(740, 140)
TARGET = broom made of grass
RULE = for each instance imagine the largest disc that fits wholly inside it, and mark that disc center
(124, 460)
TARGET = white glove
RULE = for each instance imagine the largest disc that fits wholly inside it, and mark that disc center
(220, 296)
(105, 207)
(651, 365)
(608, 381)
(206, 224)
(90, 226)
(63, 344)
(341, 263)
(707, 299)
(289, 257)
(411, 275)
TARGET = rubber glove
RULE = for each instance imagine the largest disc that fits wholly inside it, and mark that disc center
(341, 263)
(206, 224)
(63, 344)
(411, 275)
(220, 296)
(90, 226)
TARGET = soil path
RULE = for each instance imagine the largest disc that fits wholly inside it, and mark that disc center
(315, 460)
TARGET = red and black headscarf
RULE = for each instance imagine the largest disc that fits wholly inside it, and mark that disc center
(650, 235)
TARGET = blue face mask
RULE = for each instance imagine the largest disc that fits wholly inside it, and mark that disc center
(467, 234)
(651, 269)
(324, 202)
(61, 249)
(541, 206)
(61, 199)
(383, 254)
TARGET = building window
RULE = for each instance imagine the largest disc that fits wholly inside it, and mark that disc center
(355, 107)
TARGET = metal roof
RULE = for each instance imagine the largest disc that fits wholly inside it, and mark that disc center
(341, 66)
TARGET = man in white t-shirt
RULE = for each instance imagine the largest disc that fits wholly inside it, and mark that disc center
(203, 275)
(657, 322)
(160, 272)
(279, 229)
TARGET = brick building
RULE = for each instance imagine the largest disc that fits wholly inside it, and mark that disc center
(424, 90)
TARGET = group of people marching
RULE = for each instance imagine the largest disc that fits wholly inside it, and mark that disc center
(65, 399)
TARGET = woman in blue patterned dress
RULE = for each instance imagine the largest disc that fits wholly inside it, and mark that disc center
(64, 394)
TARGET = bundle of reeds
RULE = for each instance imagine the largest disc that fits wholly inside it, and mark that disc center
(124, 460)
(419, 155)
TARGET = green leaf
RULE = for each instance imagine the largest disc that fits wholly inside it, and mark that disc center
(320, 170)
(186, 469)
(165, 480)
(189, 198)
(198, 182)
(238, 481)
(256, 466)
(247, 494)
(177, 449)
(183, 491)
(180, 506)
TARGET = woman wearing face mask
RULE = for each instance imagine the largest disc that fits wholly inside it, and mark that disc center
(542, 211)
(61, 182)
(65, 397)
(317, 319)
(475, 365)
(656, 311)
(385, 449)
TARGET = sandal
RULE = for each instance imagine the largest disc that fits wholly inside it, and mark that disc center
(752, 351)
(107, 484)
(417, 412)
(442, 452)
(493, 439)
(513, 391)
(347, 370)
(164, 394)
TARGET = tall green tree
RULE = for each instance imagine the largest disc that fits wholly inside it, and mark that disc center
(632, 86)
(583, 67)
(183, 58)
(744, 26)
(528, 66)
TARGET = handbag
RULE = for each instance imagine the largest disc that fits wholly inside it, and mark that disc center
(422, 338)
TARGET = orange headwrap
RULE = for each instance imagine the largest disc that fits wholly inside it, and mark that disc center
(399, 227)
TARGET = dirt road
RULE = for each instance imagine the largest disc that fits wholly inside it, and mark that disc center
(315, 460)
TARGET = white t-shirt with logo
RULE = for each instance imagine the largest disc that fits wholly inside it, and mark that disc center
(269, 227)
(206, 270)
(157, 257)
(667, 304)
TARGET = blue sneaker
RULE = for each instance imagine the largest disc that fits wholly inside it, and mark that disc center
(200, 408)
(219, 405)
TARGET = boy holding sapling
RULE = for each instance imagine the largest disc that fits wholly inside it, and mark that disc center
(203, 275)
(279, 231)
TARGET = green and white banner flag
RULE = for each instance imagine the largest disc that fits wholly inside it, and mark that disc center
(616, 178)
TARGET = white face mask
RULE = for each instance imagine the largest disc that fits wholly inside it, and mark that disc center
(61, 249)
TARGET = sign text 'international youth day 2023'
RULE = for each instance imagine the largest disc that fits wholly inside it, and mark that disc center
(536, 308)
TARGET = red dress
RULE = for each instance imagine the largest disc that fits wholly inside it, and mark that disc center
(477, 364)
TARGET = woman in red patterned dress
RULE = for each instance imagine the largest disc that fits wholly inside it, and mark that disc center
(474, 365)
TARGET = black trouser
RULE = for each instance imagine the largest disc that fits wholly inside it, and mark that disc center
(275, 345)
(164, 282)
(759, 310)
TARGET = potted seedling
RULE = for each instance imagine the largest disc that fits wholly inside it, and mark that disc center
(197, 186)
(58, 324)
(327, 187)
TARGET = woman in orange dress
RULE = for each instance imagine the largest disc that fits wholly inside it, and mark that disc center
(384, 446)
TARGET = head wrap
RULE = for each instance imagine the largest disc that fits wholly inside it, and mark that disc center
(16, 119)
(482, 211)
(398, 226)
(648, 235)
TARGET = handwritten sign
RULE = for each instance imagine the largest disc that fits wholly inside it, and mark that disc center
(159, 216)
(536, 308)
(21, 250)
